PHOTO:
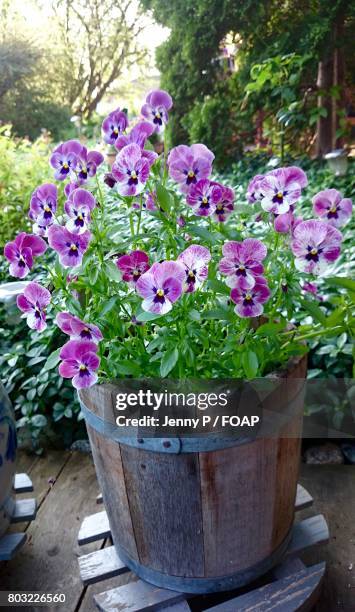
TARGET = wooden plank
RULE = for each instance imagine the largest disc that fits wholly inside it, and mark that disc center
(162, 490)
(136, 597)
(303, 499)
(107, 458)
(291, 565)
(296, 592)
(50, 558)
(309, 532)
(23, 483)
(94, 527)
(100, 565)
(181, 606)
(10, 544)
(233, 481)
(25, 510)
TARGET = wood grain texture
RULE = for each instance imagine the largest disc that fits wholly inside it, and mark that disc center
(100, 565)
(94, 527)
(23, 483)
(296, 592)
(9, 545)
(164, 498)
(309, 532)
(136, 597)
(108, 463)
(25, 510)
(303, 499)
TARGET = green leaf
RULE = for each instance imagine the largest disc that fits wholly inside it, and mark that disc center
(126, 367)
(168, 361)
(164, 198)
(270, 329)
(148, 316)
(194, 315)
(52, 360)
(39, 420)
(108, 305)
(250, 363)
(314, 311)
(202, 232)
(341, 281)
(220, 314)
(112, 272)
(218, 286)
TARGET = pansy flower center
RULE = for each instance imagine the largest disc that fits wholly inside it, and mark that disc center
(248, 299)
(73, 247)
(278, 197)
(333, 209)
(133, 178)
(115, 130)
(313, 253)
(65, 166)
(219, 206)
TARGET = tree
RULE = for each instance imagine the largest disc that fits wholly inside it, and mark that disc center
(99, 39)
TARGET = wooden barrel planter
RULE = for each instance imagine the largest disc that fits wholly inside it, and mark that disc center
(7, 460)
(198, 521)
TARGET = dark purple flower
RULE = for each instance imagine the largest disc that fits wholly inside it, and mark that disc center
(43, 205)
(70, 247)
(187, 165)
(131, 170)
(156, 107)
(281, 188)
(78, 329)
(79, 363)
(33, 302)
(315, 244)
(151, 201)
(332, 207)
(133, 265)
(242, 262)
(78, 209)
(195, 261)
(203, 197)
(21, 251)
(313, 289)
(69, 188)
(87, 164)
(64, 158)
(224, 207)
(253, 192)
(249, 302)
(161, 286)
(115, 123)
(287, 222)
(110, 180)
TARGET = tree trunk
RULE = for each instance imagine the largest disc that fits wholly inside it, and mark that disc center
(325, 124)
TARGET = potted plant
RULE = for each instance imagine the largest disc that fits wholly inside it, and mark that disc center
(162, 274)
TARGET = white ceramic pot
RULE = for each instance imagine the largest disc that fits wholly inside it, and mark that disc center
(8, 445)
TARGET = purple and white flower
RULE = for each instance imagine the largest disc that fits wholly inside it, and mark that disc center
(87, 164)
(249, 302)
(316, 244)
(78, 329)
(138, 135)
(241, 263)
(203, 197)
(253, 192)
(113, 125)
(64, 159)
(21, 252)
(330, 206)
(43, 205)
(133, 266)
(158, 103)
(313, 290)
(281, 188)
(131, 170)
(187, 165)
(287, 222)
(33, 302)
(225, 206)
(70, 247)
(78, 208)
(161, 286)
(195, 261)
(79, 362)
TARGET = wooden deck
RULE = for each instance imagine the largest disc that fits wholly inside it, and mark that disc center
(65, 486)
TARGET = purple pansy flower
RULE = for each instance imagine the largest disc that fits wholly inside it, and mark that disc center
(225, 206)
(156, 107)
(110, 180)
(21, 251)
(33, 302)
(195, 261)
(78, 208)
(287, 222)
(131, 170)
(203, 197)
(79, 363)
(281, 188)
(70, 247)
(315, 244)
(78, 329)
(161, 286)
(138, 135)
(332, 207)
(43, 204)
(133, 265)
(249, 302)
(87, 164)
(187, 165)
(112, 126)
(69, 188)
(241, 263)
(253, 192)
(313, 289)
(64, 158)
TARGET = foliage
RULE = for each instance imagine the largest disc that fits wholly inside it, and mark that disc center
(22, 165)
